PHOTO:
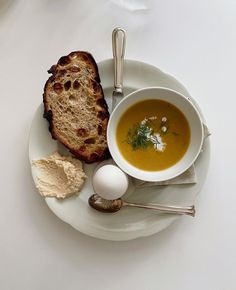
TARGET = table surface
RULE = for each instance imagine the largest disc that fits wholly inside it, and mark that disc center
(193, 40)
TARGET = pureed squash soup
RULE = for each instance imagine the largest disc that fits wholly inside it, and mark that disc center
(153, 135)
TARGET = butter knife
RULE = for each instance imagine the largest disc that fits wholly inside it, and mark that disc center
(118, 48)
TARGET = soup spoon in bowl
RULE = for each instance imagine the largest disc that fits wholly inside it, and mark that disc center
(111, 206)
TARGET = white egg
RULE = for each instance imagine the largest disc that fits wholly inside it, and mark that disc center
(110, 182)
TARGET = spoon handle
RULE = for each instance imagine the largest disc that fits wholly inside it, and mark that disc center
(186, 210)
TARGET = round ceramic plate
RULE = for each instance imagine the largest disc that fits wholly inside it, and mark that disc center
(128, 223)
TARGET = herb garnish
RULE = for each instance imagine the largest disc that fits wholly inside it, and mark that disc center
(142, 135)
(139, 136)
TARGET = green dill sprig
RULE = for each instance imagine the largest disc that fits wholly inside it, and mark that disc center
(139, 136)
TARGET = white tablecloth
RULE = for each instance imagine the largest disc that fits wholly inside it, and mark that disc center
(193, 40)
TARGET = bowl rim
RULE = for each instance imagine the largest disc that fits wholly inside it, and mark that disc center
(131, 173)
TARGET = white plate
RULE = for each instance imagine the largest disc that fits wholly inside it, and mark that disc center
(129, 223)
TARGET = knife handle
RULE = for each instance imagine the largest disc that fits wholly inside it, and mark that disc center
(118, 48)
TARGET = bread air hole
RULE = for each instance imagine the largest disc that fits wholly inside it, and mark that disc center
(89, 102)
(67, 85)
(57, 87)
(74, 69)
(90, 109)
(82, 132)
(90, 141)
(72, 100)
(76, 85)
(64, 60)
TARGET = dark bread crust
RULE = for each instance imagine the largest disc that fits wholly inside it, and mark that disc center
(79, 68)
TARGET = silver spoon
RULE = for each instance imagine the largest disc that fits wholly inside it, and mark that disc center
(110, 206)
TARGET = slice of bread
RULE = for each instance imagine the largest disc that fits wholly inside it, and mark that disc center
(75, 107)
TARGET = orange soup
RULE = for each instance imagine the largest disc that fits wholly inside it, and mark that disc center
(153, 135)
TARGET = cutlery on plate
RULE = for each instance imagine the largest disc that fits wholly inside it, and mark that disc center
(111, 206)
(118, 48)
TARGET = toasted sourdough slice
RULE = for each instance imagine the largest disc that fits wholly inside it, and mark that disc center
(75, 107)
